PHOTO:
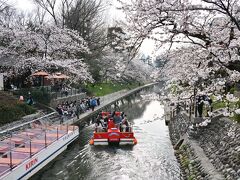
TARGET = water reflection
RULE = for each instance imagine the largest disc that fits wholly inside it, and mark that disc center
(151, 158)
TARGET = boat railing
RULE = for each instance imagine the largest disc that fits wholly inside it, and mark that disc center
(26, 123)
(22, 142)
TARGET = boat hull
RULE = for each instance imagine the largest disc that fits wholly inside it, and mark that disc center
(106, 138)
(32, 165)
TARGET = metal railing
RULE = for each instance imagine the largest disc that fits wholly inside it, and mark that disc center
(69, 92)
(27, 140)
(26, 123)
(53, 92)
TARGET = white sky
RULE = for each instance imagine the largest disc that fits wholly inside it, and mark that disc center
(25, 5)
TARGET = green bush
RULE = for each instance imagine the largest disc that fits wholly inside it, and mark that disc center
(232, 90)
(238, 104)
(236, 117)
(14, 111)
(40, 95)
(218, 105)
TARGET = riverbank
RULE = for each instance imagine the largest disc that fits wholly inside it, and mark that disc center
(211, 152)
(105, 101)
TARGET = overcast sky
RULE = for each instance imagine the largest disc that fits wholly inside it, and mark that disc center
(25, 5)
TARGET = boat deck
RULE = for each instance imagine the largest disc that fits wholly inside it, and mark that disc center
(23, 145)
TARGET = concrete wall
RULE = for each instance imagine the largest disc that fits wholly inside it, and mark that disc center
(77, 97)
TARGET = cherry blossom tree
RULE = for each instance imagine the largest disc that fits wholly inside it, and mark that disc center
(116, 65)
(75, 41)
(210, 24)
(46, 47)
(208, 30)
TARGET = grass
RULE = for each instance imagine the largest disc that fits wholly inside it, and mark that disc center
(102, 89)
(218, 104)
(232, 105)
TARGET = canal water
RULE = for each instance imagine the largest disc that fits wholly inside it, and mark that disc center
(152, 158)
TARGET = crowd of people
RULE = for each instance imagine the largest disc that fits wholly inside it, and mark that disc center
(75, 108)
(114, 119)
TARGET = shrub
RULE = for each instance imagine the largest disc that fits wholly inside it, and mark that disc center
(236, 117)
(218, 105)
(40, 95)
(14, 111)
(232, 90)
(238, 104)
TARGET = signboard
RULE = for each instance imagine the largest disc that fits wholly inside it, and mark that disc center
(1, 82)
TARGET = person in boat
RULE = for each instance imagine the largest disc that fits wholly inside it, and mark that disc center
(113, 114)
(104, 118)
(117, 119)
(125, 124)
(111, 123)
(99, 123)
(122, 115)
(105, 121)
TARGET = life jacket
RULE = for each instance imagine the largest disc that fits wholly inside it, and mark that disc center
(111, 124)
(105, 114)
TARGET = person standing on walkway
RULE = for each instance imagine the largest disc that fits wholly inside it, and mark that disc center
(78, 109)
(93, 103)
(88, 105)
(98, 101)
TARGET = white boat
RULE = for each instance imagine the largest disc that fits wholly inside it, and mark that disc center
(25, 153)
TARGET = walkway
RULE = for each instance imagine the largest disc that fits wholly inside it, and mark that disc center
(107, 100)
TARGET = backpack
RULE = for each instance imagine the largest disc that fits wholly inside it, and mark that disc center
(93, 102)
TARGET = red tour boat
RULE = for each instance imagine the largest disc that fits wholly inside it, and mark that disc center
(113, 133)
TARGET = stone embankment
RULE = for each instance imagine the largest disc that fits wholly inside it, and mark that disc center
(220, 142)
(211, 152)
